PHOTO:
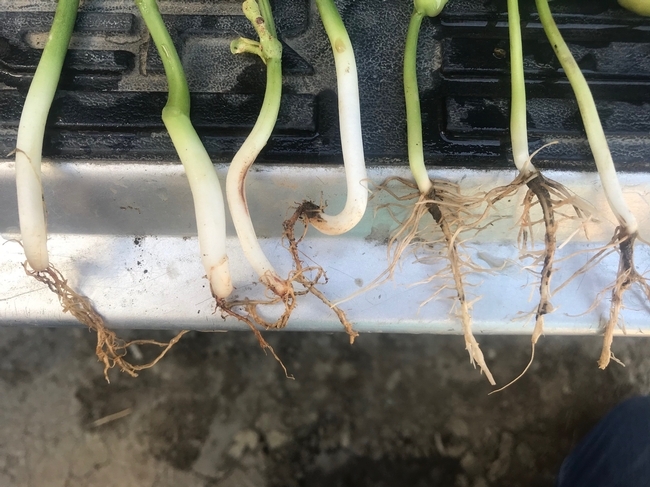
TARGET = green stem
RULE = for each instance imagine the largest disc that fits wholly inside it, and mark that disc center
(179, 92)
(49, 68)
(412, 98)
(518, 124)
(31, 130)
(204, 184)
(270, 51)
(590, 119)
(430, 8)
(267, 15)
(640, 7)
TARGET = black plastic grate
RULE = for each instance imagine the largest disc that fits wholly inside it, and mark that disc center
(113, 89)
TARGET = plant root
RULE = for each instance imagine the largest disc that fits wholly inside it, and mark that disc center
(550, 196)
(303, 213)
(626, 277)
(454, 214)
(539, 187)
(226, 309)
(306, 212)
(251, 315)
(110, 349)
(252, 318)
(440, 216)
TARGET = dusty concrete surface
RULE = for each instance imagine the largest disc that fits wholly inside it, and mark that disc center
(388, 411)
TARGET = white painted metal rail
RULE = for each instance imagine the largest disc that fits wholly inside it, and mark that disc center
(124, 235)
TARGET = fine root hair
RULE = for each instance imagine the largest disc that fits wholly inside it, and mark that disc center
(453, 215)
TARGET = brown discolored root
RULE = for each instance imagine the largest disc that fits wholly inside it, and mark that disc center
(253, 319)
(539, 187)
(299, 275)
(288, 299)
(626, 277)
(226, 309)
(304, 213)
(110, 349)
(251, 315)
(551, 196)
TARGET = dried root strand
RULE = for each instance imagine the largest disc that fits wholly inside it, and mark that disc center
(111, 350)
(253, 318)
(304, 213)
(226, 309)
(626, 277)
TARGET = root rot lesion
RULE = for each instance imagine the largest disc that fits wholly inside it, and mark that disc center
(550, 196)
(111, 350)
(626, 277)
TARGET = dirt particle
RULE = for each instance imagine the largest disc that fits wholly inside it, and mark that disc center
(499, 53)
(393, 380)
(244, 440)
(470, 463)
(480, 482)
(346, 371)
(178, 429)
(458, 427)
(501, 465)
(525, 455)
(276, 439)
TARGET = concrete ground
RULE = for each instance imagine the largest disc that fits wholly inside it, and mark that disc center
(391, 410)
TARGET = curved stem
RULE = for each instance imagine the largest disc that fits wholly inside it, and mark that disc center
(430, 8)
(204, 184)
(31, 130)
(350, 126)
(412, 98)
(591, 121)
(518, 124)
(270, 50)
